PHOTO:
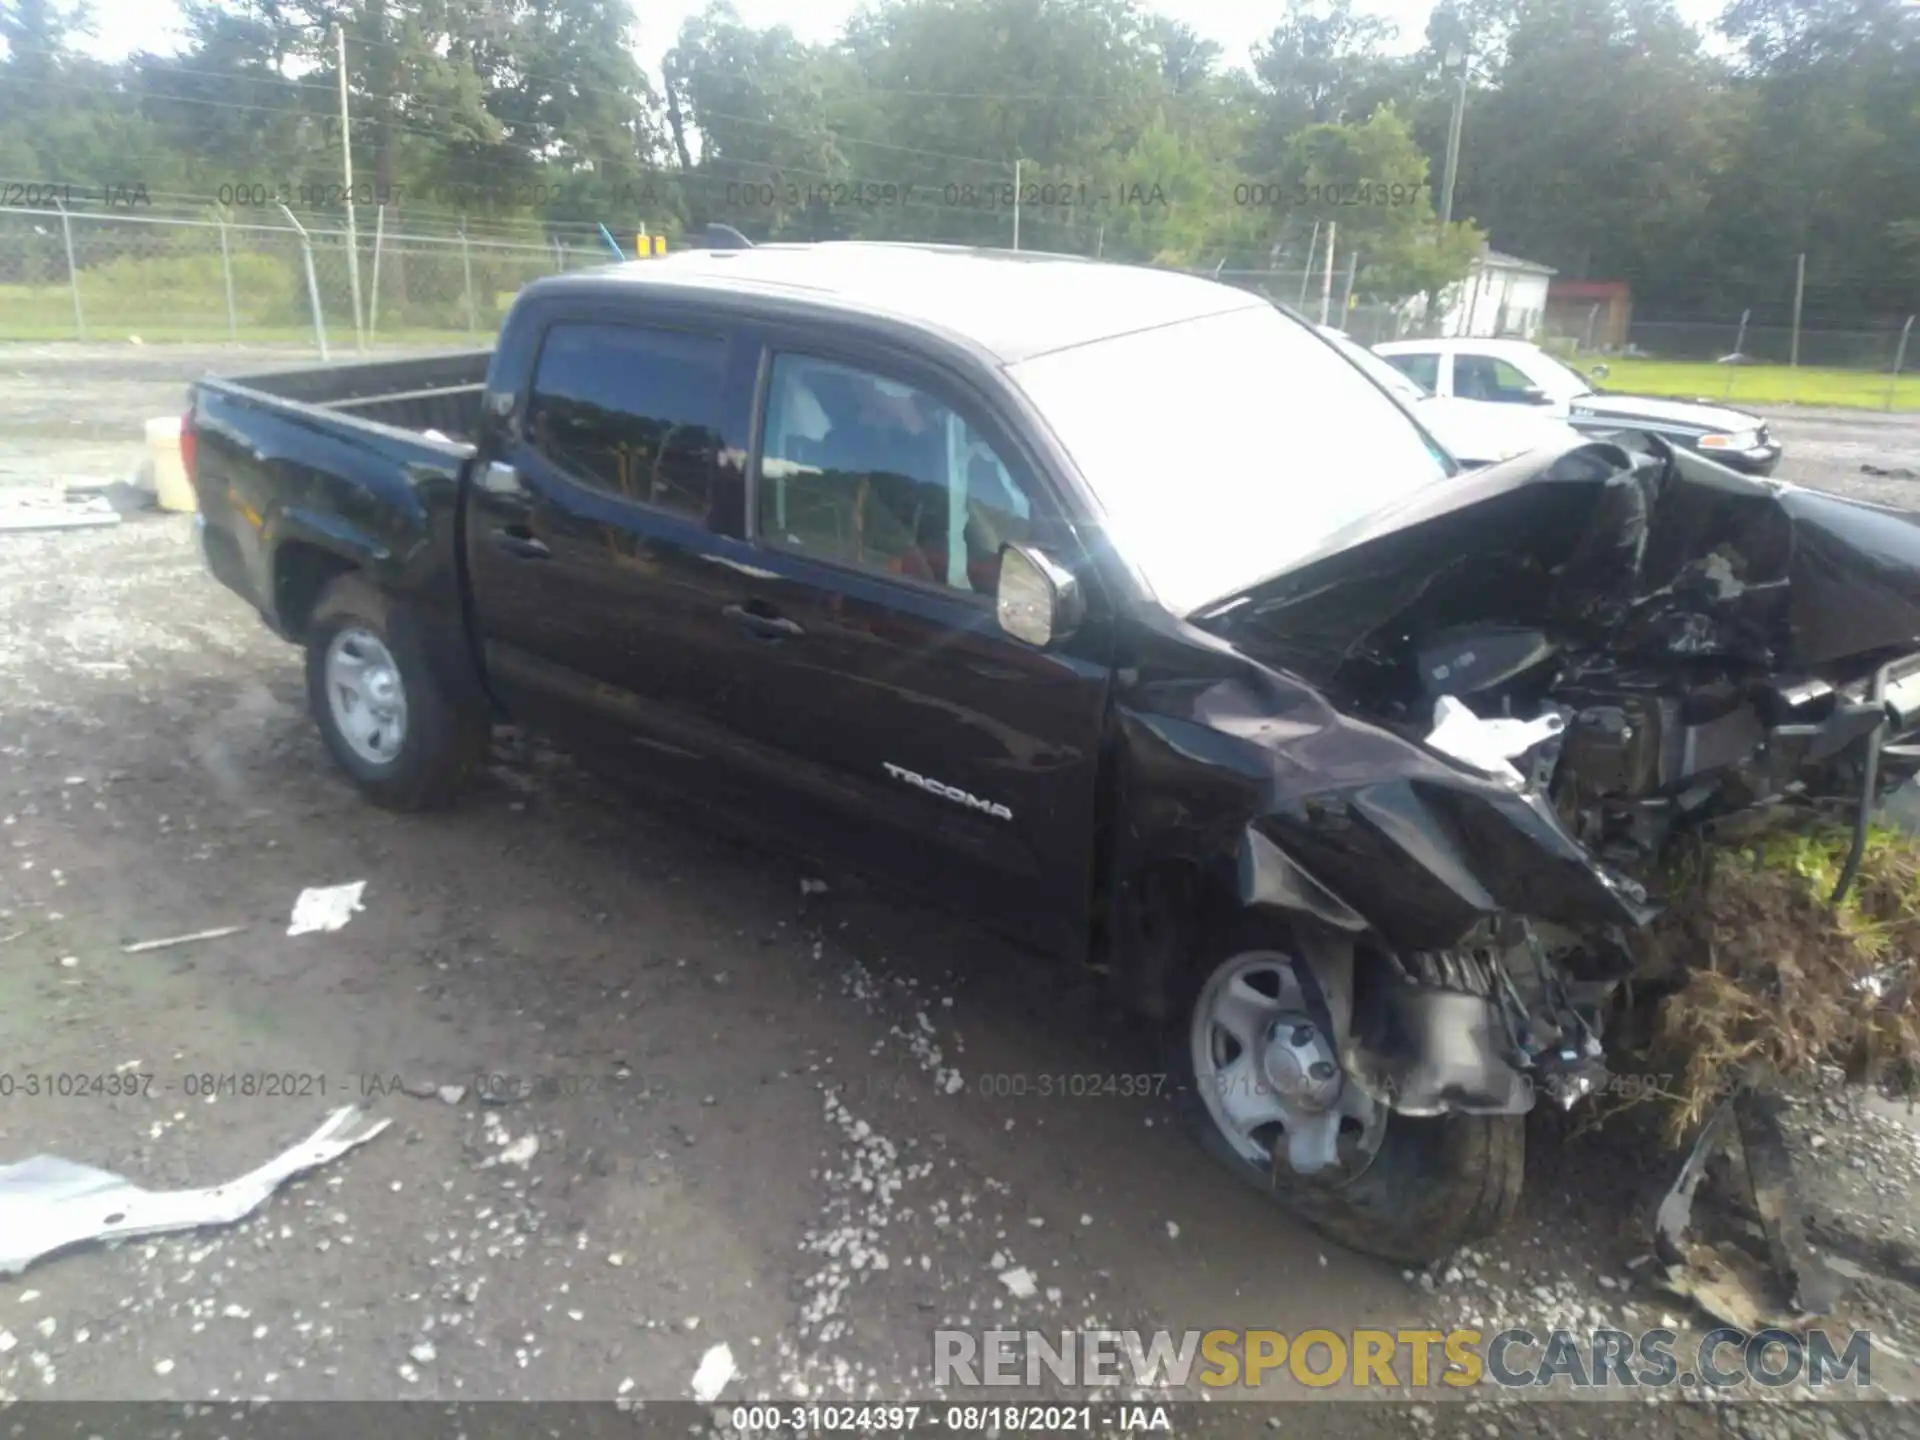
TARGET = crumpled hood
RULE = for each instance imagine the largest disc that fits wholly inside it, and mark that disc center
(1693, 415)
(1637, 548)
(1481, 432)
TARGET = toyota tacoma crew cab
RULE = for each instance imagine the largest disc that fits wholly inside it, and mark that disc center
(1120, 609)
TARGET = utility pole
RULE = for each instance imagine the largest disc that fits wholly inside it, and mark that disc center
(1799, 293)
(1016, 204)
(1326, 276)
(1455, 54)
(346, 168)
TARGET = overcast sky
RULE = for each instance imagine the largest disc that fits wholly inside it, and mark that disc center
(123, 26)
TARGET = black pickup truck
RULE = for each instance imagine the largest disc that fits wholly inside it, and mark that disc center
(1022, 579)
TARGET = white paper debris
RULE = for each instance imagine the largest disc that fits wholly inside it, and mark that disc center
(521, 1151)
(1020, 1282)
(1487, 745)
(326, 907)
(716, 1369)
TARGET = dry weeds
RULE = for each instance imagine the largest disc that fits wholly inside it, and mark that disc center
(1774, 982)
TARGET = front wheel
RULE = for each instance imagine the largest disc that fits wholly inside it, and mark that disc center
(382, 712)
(1266, 1096)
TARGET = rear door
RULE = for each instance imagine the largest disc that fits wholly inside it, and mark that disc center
(593, 538)
(962, 760)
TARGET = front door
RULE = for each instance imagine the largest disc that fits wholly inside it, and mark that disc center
(962, 760)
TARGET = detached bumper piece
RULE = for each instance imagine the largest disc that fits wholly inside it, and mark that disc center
(1723, 1280)
(48, 1204)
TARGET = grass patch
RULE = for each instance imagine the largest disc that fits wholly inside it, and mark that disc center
(1775, 983)
(1752, 385)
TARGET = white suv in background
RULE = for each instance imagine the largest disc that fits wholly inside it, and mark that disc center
(1472, 431)
(1518, 376)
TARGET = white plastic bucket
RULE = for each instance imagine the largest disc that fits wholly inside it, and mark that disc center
(171, 488)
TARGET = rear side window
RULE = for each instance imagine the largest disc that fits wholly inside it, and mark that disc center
(632, 411)
(1425, 369)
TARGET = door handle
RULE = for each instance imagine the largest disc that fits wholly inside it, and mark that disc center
(519, 542)
(765, 626)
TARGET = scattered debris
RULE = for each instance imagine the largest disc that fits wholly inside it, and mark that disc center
(1173, 1230)
(326, 907)
(813, 887)
(423, 1353)
(1811, 1288)
(48, 1204)
(30, 509)
(172, 940)
(1727, 1285)
(1020, 1281)
(1890, 472)
(126, 496)
(716, 1369)
(518, 1152)
(452, 1094)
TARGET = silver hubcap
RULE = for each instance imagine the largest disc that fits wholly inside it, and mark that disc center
(1270, 1077)
(364, 692)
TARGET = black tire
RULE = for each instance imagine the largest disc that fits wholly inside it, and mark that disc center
(444, 743)
(1435, 1183)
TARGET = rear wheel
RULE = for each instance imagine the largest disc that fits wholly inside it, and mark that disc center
(382, 712)
(1266, 1096)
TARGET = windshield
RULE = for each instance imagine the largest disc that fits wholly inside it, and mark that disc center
(1397, 381)
(1223, 449)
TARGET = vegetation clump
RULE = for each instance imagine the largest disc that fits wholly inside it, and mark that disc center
(1775, 982)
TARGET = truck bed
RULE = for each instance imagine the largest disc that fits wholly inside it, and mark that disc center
(425, 392)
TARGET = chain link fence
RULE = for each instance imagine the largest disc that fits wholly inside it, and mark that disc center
(205, 274)
(68, 275)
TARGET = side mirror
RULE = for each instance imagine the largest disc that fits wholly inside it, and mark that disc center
(1599, 372)
(1039, 600)
(1534, 395)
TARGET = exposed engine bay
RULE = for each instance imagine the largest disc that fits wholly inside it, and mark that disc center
(1628, 648)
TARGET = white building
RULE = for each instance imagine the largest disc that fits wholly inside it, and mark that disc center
(1502, 295)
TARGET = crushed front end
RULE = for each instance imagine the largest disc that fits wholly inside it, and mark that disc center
(1487, 719)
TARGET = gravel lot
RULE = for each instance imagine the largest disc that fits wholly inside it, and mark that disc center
(770, 1119)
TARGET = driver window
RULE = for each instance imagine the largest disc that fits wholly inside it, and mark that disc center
(1484, 377)
(863, 470)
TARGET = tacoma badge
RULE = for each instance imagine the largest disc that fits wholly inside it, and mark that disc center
(948, 792)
